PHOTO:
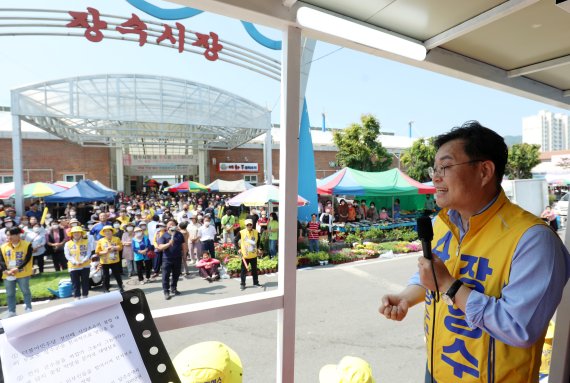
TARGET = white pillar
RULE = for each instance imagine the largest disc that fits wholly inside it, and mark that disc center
(202, 166)
(120, 171)
(268, 157)
(288, 190)
(17, 163)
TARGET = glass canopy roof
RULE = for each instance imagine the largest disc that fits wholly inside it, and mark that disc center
(143, 114)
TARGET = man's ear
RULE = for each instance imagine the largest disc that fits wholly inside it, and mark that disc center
(487, 172)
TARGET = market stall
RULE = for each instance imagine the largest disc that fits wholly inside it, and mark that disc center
(221, 186)
(381, 188)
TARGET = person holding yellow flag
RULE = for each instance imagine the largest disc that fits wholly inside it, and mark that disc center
(107, 250)
(248, 242)
(16, 266)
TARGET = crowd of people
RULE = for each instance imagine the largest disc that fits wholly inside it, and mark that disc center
(146, 237)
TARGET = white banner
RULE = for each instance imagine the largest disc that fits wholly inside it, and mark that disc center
(171, 159)
(242, 167)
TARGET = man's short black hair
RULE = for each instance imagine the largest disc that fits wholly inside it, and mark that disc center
(15, 231)
(480, 143)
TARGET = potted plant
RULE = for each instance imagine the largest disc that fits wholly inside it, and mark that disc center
(323, 258)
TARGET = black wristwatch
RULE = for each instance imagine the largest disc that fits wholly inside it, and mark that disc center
(449, 296)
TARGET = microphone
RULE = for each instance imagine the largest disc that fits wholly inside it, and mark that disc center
(425, 233)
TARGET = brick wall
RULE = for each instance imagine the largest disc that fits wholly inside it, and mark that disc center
(322, 160)
(322, 163)
(57, 157)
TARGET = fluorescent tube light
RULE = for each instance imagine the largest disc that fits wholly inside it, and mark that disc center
(361, 34)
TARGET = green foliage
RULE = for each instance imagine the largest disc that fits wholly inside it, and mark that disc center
(403, 234)
(267, 264)
(353, 237)
(359, 148)
(340, 257)
(324, 245)
(323, 255)
(263, 264)
(522, 158)
(313, 258)
(234, 265)
(418, 158)
(375, 233)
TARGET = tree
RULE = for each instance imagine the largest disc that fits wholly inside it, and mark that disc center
(522, 158)
(564, 163)
(418, 158)
(358, 147)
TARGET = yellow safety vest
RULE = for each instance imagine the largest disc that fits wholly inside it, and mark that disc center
(18, 254)
(157, 235)
(483, 262)
(103, 244)
(78, 250)
(124, 220)
(245, 246)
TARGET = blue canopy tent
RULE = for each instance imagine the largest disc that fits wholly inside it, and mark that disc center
(83, 191)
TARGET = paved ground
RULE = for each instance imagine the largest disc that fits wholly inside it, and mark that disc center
(336, 316)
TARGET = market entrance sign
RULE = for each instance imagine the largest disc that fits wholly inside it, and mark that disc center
(94, 26)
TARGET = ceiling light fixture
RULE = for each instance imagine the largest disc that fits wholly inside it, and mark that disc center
(359, 33)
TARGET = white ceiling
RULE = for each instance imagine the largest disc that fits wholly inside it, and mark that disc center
(518, 46)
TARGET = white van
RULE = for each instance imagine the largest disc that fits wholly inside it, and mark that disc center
(561, 206)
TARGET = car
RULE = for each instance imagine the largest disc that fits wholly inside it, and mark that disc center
(561, 206)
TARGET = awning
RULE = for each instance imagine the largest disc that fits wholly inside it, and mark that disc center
(222, 186)
(392, 182)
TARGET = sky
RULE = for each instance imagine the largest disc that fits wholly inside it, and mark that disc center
(343, 84)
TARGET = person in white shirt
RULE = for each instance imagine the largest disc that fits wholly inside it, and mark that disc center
(36, 236)
(194, 244)
(184, 212)
(207, 233)
(8, 223)
(151, 227)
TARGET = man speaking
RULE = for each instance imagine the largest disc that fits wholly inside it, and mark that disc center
(500, 270)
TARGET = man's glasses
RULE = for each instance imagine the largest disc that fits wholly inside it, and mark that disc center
(440, 170)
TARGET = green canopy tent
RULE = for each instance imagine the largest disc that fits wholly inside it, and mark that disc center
(378, 187)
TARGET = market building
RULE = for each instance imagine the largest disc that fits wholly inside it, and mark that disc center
(49, 158)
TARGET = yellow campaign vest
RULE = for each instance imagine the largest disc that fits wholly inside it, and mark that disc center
(483, 263)
(18, 254)
(103, 244)
(157, 235)
(245, 235)
(78, 250)
(124, 220)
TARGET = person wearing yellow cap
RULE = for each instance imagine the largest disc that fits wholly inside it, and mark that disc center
(350, 369)
(208, 362)
(107, 250)
(248, 242)
(78, 255)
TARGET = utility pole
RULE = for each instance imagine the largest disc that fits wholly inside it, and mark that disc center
(410, 128)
